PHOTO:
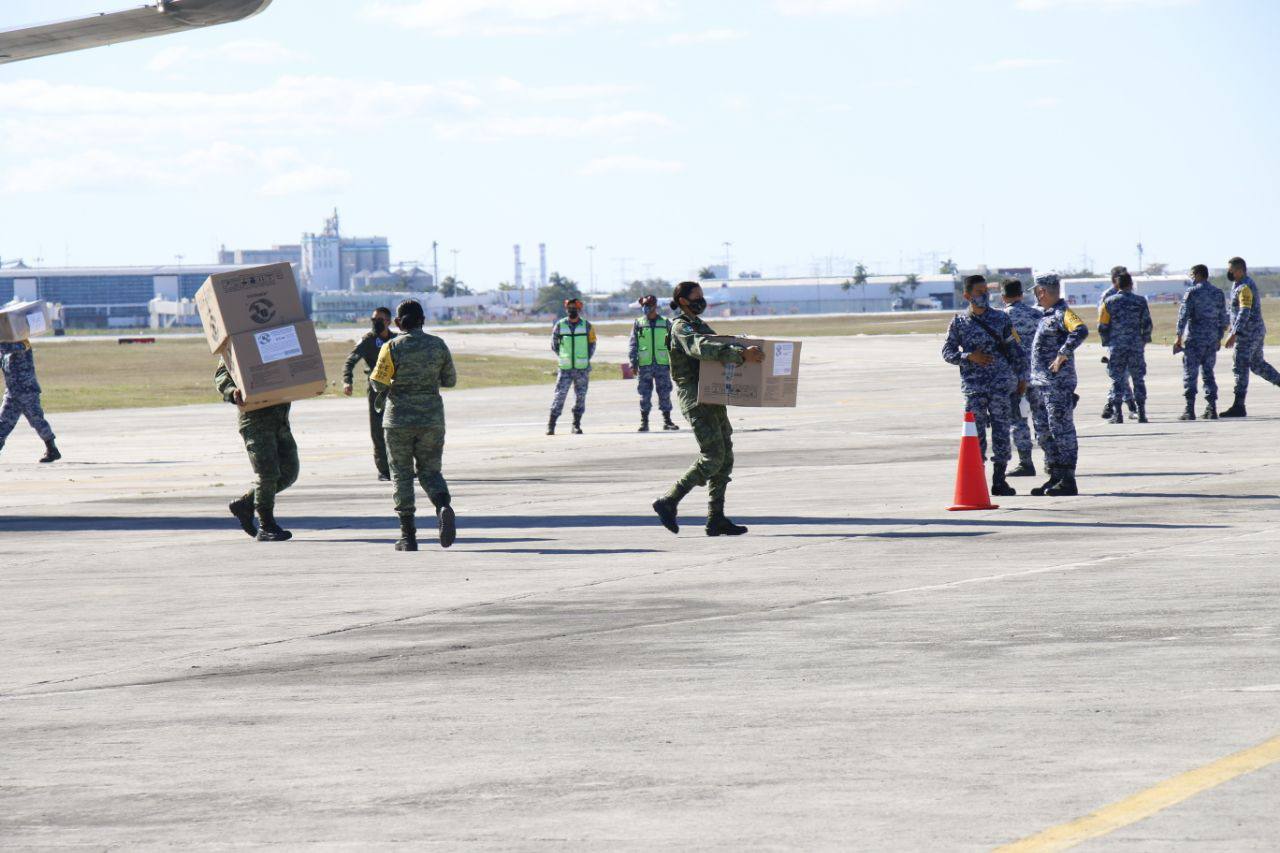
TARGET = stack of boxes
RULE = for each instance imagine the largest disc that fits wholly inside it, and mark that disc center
(254, 319)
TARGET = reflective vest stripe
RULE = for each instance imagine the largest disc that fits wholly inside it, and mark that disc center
(575, 346)
(649, 348)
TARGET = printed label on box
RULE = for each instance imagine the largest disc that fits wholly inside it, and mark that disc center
(278, 344)
(35, 322)
(783, 355)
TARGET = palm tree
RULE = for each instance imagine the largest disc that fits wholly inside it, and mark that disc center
(859, 279)
(706, 274)
(912, 283)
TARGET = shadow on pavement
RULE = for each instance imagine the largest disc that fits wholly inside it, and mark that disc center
(1187, 495)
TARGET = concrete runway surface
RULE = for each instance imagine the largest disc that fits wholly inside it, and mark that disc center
(863, 671)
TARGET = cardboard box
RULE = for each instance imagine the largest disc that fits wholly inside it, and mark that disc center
(277, 365)
(22, 320)
(248, 300)
(772, 383)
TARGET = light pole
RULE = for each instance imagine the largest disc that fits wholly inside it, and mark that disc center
(591, 269)
(435, 263)
(455, 252)
(727, 247)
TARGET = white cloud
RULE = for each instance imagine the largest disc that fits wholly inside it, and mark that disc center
(309, 179)
(1042, 5)
(1021, 64)
(704, 37)
(257, 52)
(625, 164)
(840, 7)
(574, 92)
(513, 17)
(496, 128)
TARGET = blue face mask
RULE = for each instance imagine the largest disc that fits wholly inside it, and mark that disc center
(981, 299)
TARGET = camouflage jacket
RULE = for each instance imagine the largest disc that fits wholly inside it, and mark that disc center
(1246, 310)
(411, 370)
(261, 418)
(968, 334)
(690, 343)
(1061, 332)
(18, 364)
(1204, 309)
(1125, 321)
(1025, 319)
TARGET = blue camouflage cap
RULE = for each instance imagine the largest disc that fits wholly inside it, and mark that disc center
(1049, 279)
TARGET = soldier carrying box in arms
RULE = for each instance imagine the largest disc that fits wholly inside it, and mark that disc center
(22, 397)
(573, 339)
(691, 345)
(273, 453)
(650, 358)
(411, 370)
(367, 351)
(1204, 309)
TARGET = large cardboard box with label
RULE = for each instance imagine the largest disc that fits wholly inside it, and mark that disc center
(773, 383)
(248, 300)
(22, 320)
(277, 365)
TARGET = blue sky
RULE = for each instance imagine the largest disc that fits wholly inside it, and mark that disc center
(809, 133)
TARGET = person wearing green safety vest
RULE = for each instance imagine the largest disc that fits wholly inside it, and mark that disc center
(573, 340)
(651, 360)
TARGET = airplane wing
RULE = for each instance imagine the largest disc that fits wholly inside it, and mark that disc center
(157, 19)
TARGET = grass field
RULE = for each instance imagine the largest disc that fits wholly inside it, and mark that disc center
(105, 375)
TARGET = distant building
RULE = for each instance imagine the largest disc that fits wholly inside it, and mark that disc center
(329, 260)
(828, 294)
(414, 279)
(261, 257)
(347, 307)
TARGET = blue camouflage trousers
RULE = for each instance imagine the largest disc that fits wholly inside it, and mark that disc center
(1128, 365)
(991, 414)
(23, 404)
(1128, 389)
(1021, 425)
(647, 379)
(1056, 425)
(578, 380)
(1197, 358)
(1249, 359)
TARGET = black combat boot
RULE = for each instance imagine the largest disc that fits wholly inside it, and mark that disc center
(1142, 412)
(51, 453)
(1065, 487)
(384, 476)
(999, 486)
(718, 525)
(667, 507)
(408, 540)
(1107, 411)
(551, 425)
(577, 423)
(1133, 406)
(269, 531)
(446, 524)
(644, 422)
(668, 424)
(1189, 413)
(1117, 414)
(242, 509)
(1210, 410)
(1042, 490)
(1236, 410)
(1026, 467)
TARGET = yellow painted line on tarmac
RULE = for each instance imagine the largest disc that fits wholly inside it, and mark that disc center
(1149, 802)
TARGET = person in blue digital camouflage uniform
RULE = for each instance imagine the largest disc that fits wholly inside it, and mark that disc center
(1124, 324)
(22, 397)
(1025, 319)
(983, 344)
(1053, 373)
(1204, 310)
(1108, 411)
(1248, 334)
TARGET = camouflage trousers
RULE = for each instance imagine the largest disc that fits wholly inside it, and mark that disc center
(1056, 425)
(417, 453)
(1021, 426)
(274, 456)
(1128, 389)
(991, 414)
(19, 405)
(655, 376)
(379, 436)
(1250, 359)
(578, 380)
(714, 466)
(1200, 358)
(1128, 365)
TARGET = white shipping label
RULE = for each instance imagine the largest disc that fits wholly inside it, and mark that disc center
(278, 344)
(35, 322)
(783, 354)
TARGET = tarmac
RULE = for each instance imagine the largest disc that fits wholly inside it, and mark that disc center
(864, 670)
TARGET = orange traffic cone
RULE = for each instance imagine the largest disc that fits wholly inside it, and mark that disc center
(971, 476)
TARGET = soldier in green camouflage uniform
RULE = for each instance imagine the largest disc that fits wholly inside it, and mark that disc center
(411, 370)
(690, 343)
(367, 350)
(274, 456)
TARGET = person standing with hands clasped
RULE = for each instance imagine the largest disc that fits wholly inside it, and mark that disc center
(650, 358)
(691, 343)
(573, 339)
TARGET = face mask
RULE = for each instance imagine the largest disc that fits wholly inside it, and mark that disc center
(379, 325)
(980, 300)
(697, 306)
(573, 313)
(1231, 276)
